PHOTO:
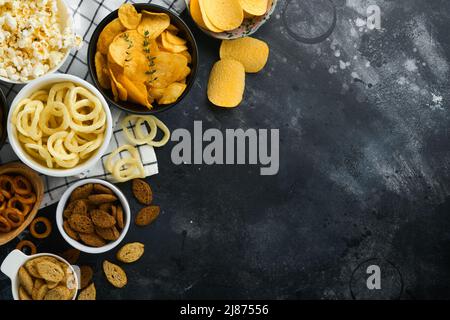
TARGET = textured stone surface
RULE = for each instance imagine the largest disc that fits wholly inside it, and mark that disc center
(364, 170)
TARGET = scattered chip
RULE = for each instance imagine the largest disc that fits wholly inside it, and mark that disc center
(223, 15)
(254, 7)
(153, 24)
(129, 17)
(226, 83)
(108, 34)
(251, 52)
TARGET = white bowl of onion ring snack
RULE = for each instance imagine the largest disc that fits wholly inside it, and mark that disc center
(62, 205)
(59, 125)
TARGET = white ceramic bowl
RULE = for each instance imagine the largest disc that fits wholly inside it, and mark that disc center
(12, 263)
(65, 20)
(79, 245)
(27, 159)
(248, 27)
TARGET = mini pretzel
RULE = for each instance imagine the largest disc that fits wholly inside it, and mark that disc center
(5, 226)
(47, 224)
(6, 186)
(14, 217)
(27, 199)
(15, 202)
(21, 185)
(27, 244)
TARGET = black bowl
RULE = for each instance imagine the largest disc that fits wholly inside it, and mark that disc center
(3, 116)
(185, 32)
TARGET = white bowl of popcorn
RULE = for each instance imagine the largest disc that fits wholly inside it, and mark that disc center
(35, 38)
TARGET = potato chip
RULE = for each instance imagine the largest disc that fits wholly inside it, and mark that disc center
(129, 17)
(172, 28)
(224, 15)
(187, 55)
(172, 93)
(114, 90)
(169, 68)
(173, 39)
(254, 7)
(170, 47)
(156, 93)
(121, 91)
(153, 24)
(108, 34)
(251, 52)
(226, 83)
(139, 67)
(137, 91)
(196, 14)
(100, 67)
(125, 46)
(207, 22)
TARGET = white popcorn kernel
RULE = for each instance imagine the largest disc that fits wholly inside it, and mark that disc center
(38, 70)
(3, 73)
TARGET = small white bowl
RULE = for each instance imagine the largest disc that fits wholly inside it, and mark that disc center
(247, 28)
(16, 258)
(65, 20)
(36, 85)
(79, 245)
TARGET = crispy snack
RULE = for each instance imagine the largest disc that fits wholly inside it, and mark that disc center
(27, 244)
(92, 239)
(80, 223)
(254, 7)
(226, 83)
(71, 255)
(142, 191)
(16, 201)
(98, 199)
(47, 224)
(50, 271)
(102, 219)
(86, 274)
(224, 15)
(110, 234)
(89, 293)
(92, 218)
(130, 252)
(39, 293)
(58, 293)
(114, 274)
(101, 189)
(70, 232)
(147, 215)
(129, 17)
(81, 192)
(128, 57)
(23, 295)
(25, 280)
(251, 52)
(120, 218)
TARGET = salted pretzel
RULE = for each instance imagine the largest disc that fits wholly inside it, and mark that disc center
(17, 203)
(14, 217)
(5, 226)
(27, 244)
(6, 186)
(47, 224)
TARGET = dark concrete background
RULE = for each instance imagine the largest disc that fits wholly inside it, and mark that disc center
(364, 169)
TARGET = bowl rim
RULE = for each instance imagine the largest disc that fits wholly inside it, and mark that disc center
(139, 7)
(21, 154)
(63, 60)
(228, 35)
(78, 245)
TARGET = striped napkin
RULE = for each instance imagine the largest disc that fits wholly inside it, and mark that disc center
(87, 14)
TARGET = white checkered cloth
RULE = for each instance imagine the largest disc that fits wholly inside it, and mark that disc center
(87, 14)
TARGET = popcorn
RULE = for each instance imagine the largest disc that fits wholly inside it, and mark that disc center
(31, 40)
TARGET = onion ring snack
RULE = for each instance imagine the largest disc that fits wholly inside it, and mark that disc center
(60, 126)
(46, 223)
(27, 244)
